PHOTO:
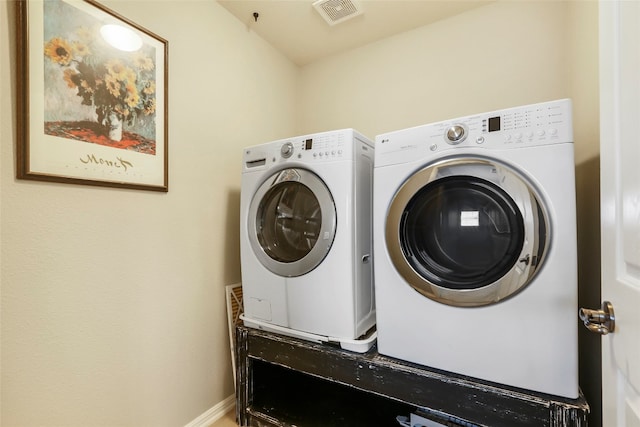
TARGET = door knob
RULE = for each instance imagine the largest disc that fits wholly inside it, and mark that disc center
(600, 321)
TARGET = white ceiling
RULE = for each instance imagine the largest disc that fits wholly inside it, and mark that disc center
(295, 28)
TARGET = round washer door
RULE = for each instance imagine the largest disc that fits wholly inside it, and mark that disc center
(467, 232)
(292, 222)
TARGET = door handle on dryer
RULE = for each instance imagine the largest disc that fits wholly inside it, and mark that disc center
(600, 321)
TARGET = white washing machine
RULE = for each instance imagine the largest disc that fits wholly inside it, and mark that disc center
(306, 238)
(475, 246)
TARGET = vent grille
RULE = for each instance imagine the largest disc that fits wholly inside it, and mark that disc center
(234, 310)
(336, 11)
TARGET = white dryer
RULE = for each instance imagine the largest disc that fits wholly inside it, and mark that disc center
(306, 238)
(475, 246)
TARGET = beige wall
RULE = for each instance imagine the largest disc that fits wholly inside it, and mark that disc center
(583, 84)
(113, 308)
(504, 54)
(112, 300)
(500, 55)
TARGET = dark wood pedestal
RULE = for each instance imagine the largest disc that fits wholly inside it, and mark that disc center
(283, 381)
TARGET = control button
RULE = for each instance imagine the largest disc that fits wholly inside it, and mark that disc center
(541, 132)
(507, 137)
(529, 134)
(553, 132)
(315, 154)
(518, 136)
(433, 147)
(480, 140)
(321, 154)
(455, 134)
(340, 152)
(286, 150)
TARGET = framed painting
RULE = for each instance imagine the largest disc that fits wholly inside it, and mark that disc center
(92, 97)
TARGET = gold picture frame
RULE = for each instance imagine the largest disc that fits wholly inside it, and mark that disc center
(92, 97)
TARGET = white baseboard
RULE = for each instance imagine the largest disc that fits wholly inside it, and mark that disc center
(214, 414)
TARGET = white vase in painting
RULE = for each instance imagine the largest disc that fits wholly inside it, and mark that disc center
(113, 126)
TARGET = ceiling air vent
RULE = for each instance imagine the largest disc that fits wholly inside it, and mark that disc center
(337, 11)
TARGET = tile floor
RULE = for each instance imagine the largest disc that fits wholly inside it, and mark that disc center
(229, 420)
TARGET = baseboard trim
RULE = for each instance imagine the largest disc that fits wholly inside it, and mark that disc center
(214, 414)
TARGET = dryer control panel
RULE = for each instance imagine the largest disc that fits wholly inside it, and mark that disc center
(529, 125)
(537, 124)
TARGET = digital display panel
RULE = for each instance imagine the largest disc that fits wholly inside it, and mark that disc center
(494, 124)
(308, 143)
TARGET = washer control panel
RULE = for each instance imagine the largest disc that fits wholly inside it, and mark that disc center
(325, 146)
(315, 147)
(343, 144)
(286, 150)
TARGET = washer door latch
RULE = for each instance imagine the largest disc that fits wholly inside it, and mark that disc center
(600, 321)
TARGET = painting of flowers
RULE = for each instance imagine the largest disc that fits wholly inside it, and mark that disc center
(114, 90)
(92, 96)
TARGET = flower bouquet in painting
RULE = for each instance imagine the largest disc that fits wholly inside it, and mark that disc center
(95, 92)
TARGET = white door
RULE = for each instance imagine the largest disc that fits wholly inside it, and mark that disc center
(620, 206)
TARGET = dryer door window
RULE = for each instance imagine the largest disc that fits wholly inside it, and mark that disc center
(461, 232)
(293, 219)
(467, 231)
